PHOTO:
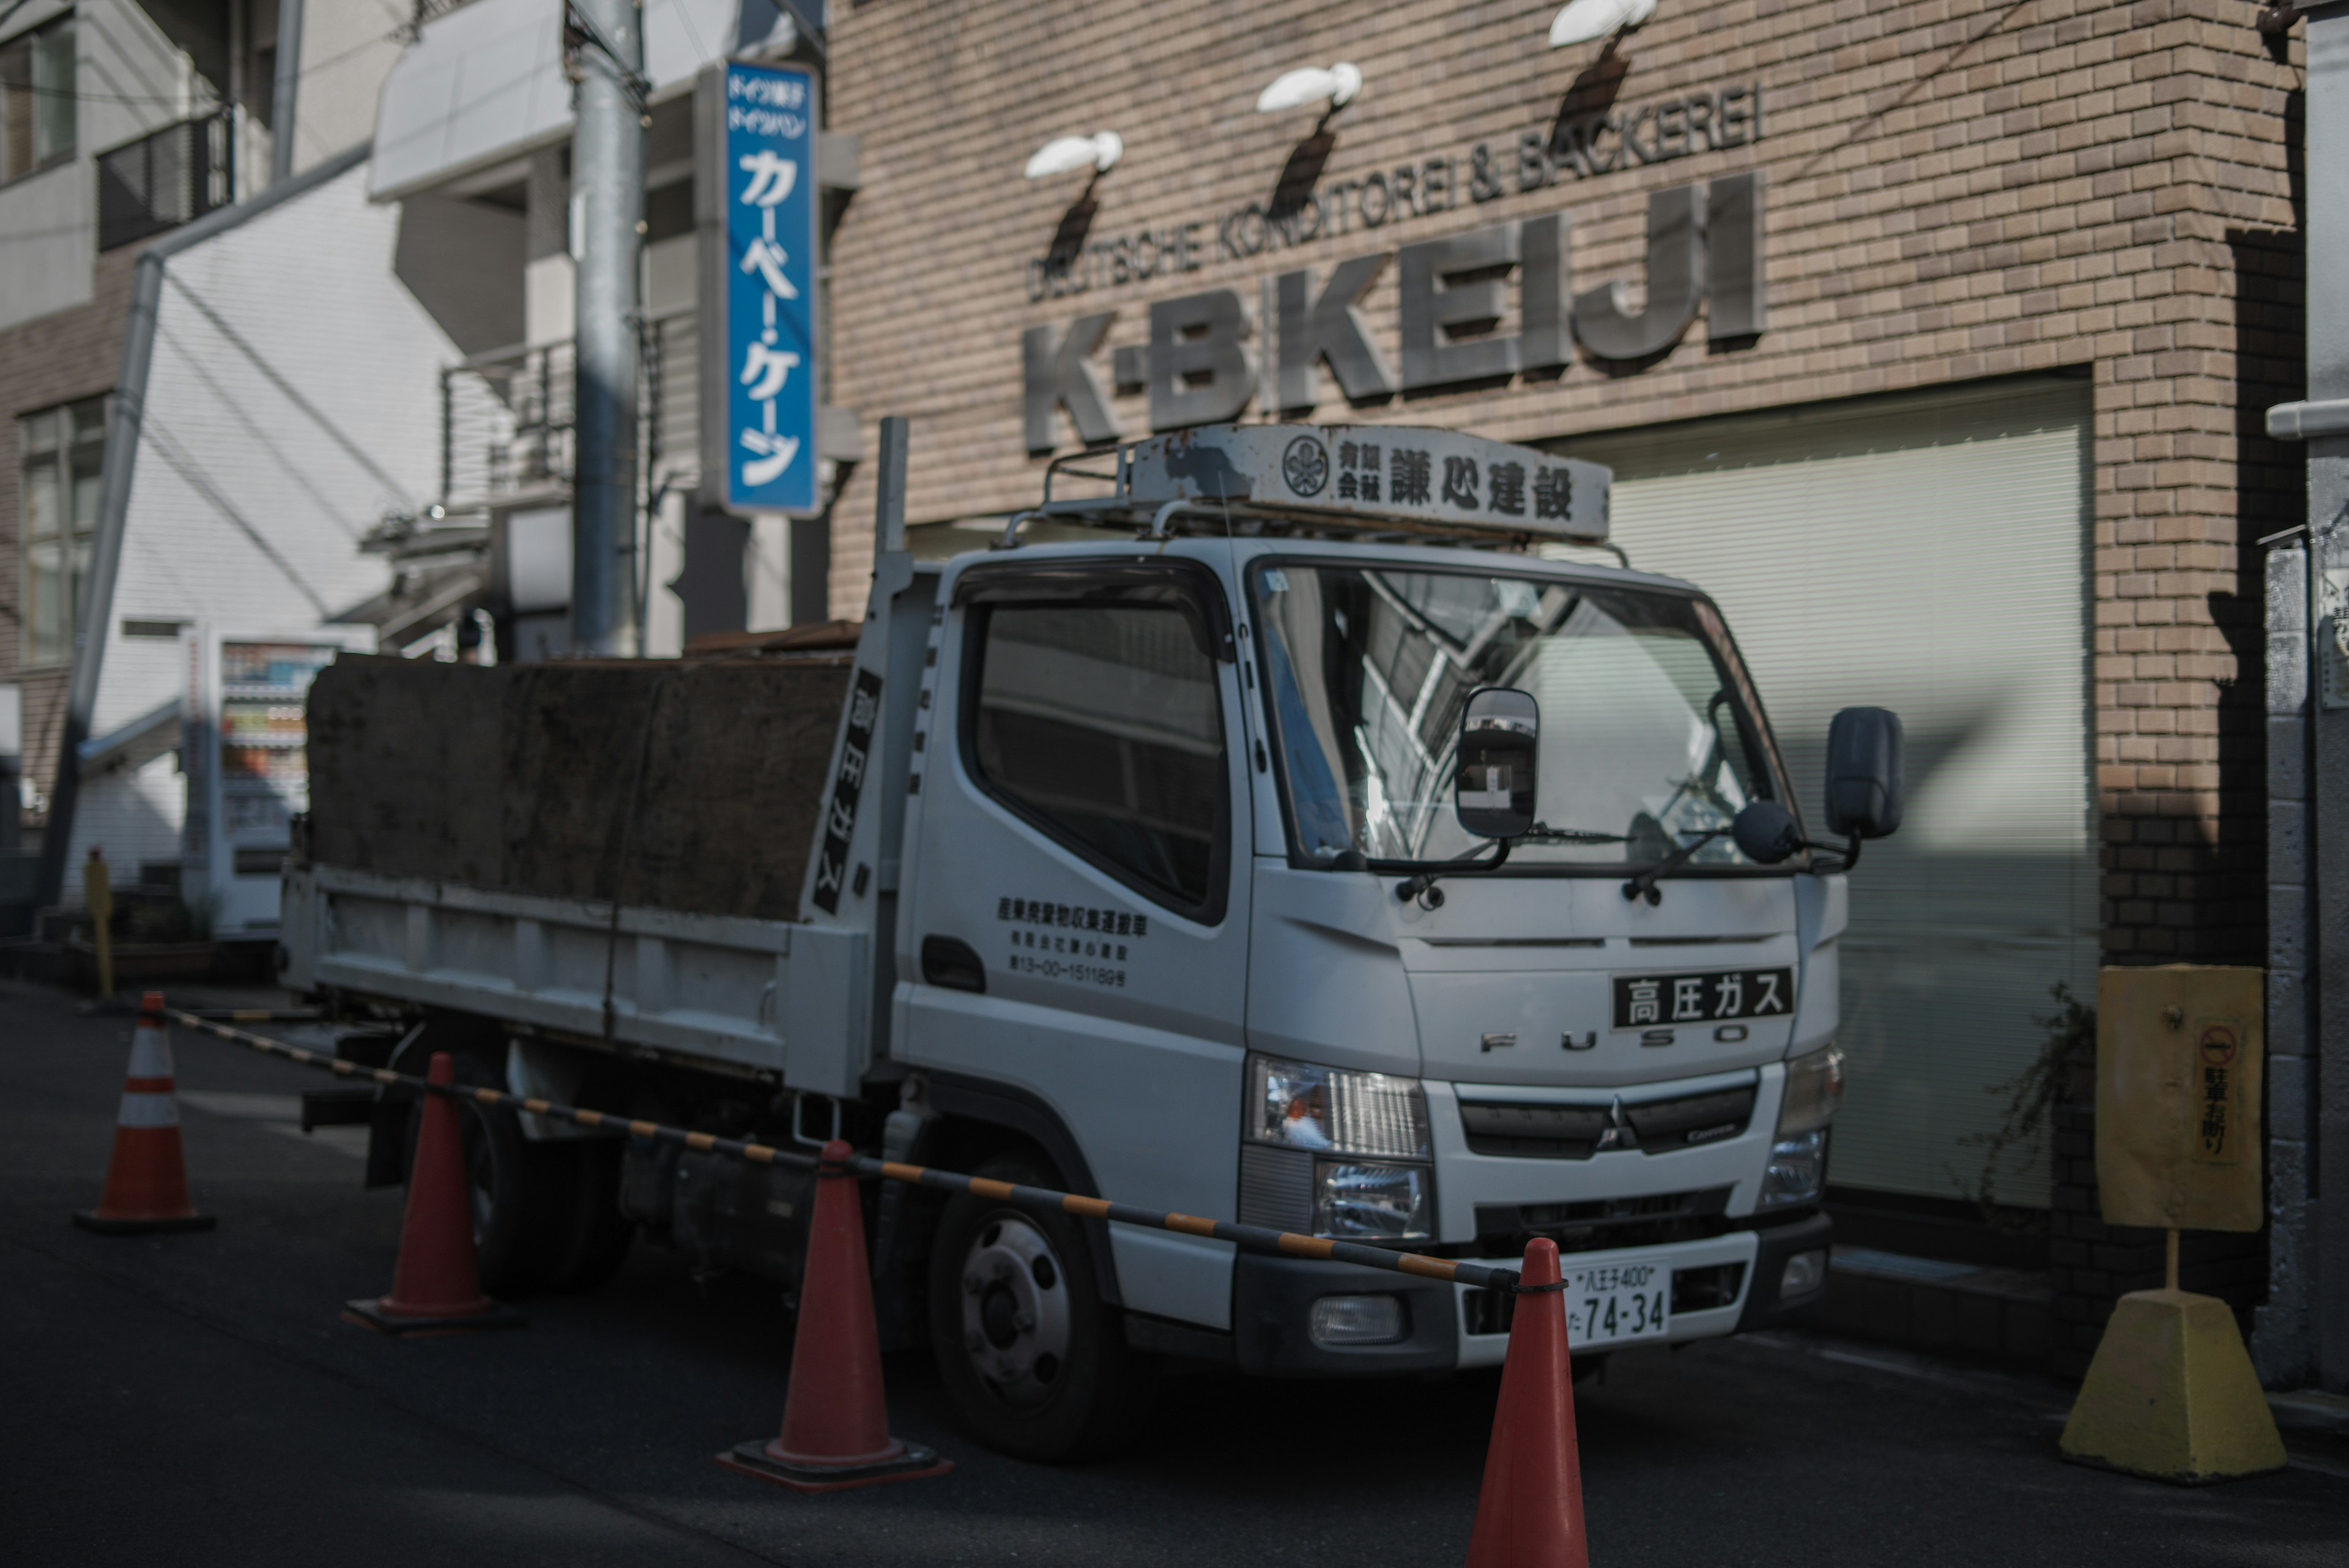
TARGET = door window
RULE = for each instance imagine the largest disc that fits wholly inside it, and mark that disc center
(1101, 724)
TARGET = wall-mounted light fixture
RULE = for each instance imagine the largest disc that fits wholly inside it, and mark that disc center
(1099, 152)
(1340, 84)
(1587, 19)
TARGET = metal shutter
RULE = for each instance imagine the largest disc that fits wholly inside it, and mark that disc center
(1928, 553)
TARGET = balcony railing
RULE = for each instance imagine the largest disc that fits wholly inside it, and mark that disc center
(508, 418)
(166, 178)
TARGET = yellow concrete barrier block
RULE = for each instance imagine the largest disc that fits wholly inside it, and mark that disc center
(2171, 1395)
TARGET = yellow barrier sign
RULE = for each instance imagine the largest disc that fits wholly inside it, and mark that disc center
(2170, 1394)
(2179, 1050)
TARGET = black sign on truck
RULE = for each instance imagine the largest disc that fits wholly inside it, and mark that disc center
(847, 786)
(1717, 995)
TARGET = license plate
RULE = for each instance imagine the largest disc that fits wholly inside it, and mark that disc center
(1616, 1304)
(1714, 996)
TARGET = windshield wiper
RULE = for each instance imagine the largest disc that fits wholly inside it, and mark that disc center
(1544, 833)
(1644, 886)
(1422, 884)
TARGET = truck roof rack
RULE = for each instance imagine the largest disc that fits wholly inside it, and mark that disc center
(1333, 480)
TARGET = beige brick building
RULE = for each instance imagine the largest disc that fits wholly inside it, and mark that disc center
(1970, 211)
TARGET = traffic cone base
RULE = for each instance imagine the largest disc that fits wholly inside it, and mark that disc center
(146, 1177)
(835, 1423)
(436, 1285)
(770, 1461)
(380, 1315)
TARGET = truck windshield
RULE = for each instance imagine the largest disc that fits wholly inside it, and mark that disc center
(1649, 737)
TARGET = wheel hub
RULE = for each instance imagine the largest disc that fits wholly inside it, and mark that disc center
(1015, 1311)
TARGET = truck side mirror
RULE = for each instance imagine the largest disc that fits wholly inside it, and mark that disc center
(1500, 734)
(1864, 772)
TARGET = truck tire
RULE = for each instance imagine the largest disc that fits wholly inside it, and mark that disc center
(598, 1242)
(524, 1195)
(1036, 1363)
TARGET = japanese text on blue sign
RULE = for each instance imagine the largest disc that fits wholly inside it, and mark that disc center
(768, 167)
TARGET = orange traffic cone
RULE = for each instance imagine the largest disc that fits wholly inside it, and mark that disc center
(835, 1425)
(436, 1286)
(147, 1179)
(1529, 1514)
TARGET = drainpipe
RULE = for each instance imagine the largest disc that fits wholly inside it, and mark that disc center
(284, 90)
(2311, 1094)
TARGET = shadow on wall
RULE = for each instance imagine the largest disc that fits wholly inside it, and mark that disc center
(1301, 173)
(1945, 973)
(463, 262)
(1594, 88)
(2180, 888)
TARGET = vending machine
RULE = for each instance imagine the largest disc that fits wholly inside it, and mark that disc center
(247, 767)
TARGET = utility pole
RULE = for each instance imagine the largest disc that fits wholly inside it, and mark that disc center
(607, 176)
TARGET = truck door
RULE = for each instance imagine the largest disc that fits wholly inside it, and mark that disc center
(1078, 929)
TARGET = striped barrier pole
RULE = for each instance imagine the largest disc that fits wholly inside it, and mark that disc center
(1529, 1508)
(1252, 1238)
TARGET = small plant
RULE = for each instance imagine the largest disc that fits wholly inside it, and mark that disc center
(2068, 1050)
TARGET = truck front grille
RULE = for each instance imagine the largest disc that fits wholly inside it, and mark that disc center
(1650, 1219)
(1577, 1132)
(1276, 1187)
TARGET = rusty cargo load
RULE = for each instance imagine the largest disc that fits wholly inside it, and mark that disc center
(691, 785)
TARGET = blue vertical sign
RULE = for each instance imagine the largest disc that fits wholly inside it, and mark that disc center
(767, 172)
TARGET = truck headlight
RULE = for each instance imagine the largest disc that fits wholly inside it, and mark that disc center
(1332, 1110)
(1358, 1202)
(1797, 1171)
(1813, 1091)
(1326, 1151)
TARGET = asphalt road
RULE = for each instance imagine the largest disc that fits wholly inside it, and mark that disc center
(195, 1399)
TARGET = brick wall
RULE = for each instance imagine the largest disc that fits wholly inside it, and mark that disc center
(1957, 188)
(52, 359)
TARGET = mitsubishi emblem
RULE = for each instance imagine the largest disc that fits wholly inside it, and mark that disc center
(1619, 1133)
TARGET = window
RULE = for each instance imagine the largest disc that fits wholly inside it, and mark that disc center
(64, 449)
(1102, 724)
(1648, 734)
(36, 100)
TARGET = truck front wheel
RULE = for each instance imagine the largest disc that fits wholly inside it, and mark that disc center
(523, 1194)
(1036, 1363)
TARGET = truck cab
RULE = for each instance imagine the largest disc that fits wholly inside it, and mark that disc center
(1209, 857)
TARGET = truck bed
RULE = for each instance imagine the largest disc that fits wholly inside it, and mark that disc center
(610, 851)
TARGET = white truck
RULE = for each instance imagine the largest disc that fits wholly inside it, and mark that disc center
(1305, 849)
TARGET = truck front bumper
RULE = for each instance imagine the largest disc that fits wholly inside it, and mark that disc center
(1723, 1284)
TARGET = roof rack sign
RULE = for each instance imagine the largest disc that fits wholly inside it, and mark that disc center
(1374, 476)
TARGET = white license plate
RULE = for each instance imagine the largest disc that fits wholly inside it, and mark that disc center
(1616, 1304)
